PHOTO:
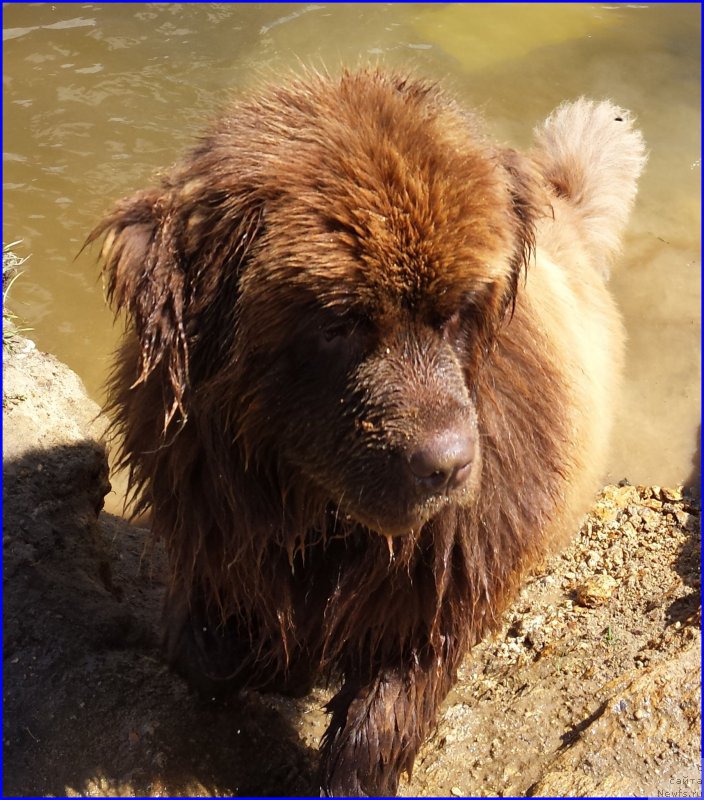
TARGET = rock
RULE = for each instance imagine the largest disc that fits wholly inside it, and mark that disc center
(44, 404)
(615, 753)
(54, 462)
(672, 494)
(595, 591)
(650, 518)
(620, 496)
(686, 520)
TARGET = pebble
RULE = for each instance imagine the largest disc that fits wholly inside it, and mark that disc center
(686, 520)
(650, 519)
(593, 558)
(628, 530)
(595, 591)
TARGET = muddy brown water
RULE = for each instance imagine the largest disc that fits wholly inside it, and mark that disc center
(98, 97)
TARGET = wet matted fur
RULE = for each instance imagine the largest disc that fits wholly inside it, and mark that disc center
(366, 384)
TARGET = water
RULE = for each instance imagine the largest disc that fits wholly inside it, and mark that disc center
(98, 97)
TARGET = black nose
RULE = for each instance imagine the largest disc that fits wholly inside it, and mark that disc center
(442, 461)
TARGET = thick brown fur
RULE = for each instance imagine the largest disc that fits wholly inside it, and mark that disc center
(341, 268)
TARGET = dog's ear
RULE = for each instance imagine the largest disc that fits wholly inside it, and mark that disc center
(145, 278)
(169, 255)
(529, 202)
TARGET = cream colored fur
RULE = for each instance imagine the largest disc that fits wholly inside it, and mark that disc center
(591, 153)
(593, 156)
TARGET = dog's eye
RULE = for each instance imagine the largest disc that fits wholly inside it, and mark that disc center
(338, 331)
(453, 320)
(338, 337)
(447, 322)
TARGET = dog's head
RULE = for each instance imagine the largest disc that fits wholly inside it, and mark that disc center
(324, 275)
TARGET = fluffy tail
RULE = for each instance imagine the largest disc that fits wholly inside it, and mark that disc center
(592, 155)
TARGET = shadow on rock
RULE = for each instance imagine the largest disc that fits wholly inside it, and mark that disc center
(694, 482)
(89, 706)
(687, 609)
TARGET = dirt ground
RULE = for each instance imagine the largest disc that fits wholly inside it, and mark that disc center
(591, 688)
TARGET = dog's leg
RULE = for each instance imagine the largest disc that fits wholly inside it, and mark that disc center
(376, 729)
(218, 659)
(206, 655)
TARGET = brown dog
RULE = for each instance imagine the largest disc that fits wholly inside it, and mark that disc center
(357, 408)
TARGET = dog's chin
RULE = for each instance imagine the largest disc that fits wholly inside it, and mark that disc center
(408, 522)
(407, 515)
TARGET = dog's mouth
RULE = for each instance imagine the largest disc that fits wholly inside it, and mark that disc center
(395, 526)
(408, 518)
(398, 528)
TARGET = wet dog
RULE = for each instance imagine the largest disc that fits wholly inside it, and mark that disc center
(366, 385)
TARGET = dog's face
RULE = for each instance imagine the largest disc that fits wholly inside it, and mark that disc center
(378, 247)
